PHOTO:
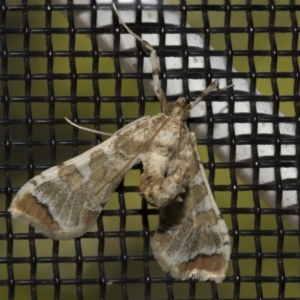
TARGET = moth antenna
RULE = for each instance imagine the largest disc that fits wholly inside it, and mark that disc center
(214, 85)
(129, 30)
(87, 129)
(226, 87)
(153, 59)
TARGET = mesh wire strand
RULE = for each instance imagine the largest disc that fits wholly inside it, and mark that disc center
(11, 281)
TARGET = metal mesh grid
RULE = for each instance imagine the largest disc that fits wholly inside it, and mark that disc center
(264, 262)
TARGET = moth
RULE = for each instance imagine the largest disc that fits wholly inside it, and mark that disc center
(192, 238)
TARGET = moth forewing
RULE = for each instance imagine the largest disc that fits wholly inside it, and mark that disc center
(66, 200)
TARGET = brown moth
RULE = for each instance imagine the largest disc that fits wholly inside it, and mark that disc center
(192, 238)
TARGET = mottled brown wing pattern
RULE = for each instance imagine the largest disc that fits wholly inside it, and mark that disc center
(66, 200)
(192, 238)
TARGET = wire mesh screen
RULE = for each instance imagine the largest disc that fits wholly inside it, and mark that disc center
(74, 59)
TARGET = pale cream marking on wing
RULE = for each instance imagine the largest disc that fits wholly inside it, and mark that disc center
(85, 171)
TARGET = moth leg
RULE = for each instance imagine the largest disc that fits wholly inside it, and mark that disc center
(153, 59)
(163, 190)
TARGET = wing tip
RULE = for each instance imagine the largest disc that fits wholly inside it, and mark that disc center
(202, 267)
(29, 210)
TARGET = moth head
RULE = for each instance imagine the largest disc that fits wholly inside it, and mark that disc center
(178, 109)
